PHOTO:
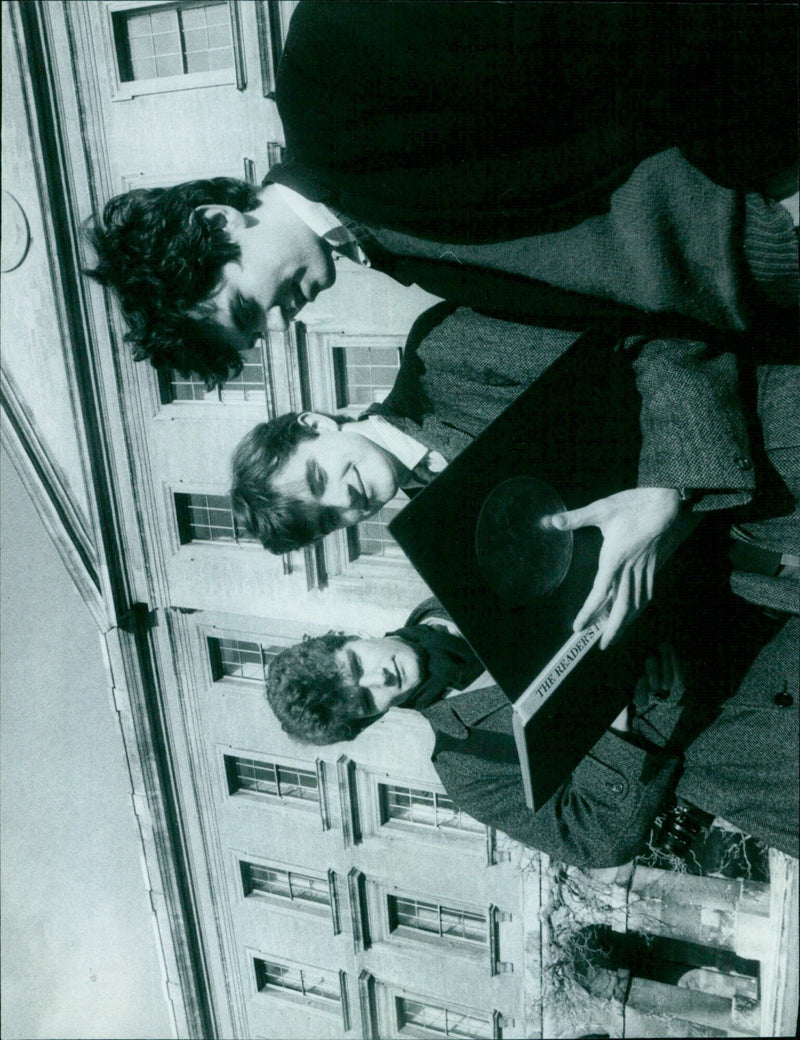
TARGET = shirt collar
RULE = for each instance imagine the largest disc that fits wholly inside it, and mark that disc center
(408, 451)
(322, 221)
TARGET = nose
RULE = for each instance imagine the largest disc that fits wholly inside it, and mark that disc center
(378, 678)
(343, 496)
(337, 495)
(277, 320)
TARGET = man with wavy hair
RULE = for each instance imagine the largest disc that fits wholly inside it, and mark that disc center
(555, 174)
(333, 687)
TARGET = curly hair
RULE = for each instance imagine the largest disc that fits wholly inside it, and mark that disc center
(280, 523)
(163, 260)
(309, 694)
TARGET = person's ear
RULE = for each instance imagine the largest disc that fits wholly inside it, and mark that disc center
(320, 423)
(229, 218)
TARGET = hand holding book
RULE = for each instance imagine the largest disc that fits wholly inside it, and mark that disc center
(632, 523)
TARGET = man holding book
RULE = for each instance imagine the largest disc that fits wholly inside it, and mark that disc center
(301, 476)
(331, 688)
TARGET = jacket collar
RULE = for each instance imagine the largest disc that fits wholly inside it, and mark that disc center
(456, 715)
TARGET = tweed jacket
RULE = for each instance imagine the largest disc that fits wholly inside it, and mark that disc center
(454, 162)
(736, 758)
(461, 369)
(599, 818)
(744, 765)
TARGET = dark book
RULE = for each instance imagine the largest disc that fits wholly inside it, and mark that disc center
(514, 588)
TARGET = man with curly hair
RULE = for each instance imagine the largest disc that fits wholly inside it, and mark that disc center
(204, 268)
(734, 758)
(554, 175)
(328, 689)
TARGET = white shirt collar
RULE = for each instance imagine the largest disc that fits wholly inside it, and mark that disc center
(408, 451)
(321, 221)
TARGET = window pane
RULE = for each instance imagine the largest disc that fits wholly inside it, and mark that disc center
(168, 65)
(138, 25)
(250, 384)
(310, 889)
(265, 879)
(221, 58)
(285, 884)
(369, 372)
(192, 17)
(426, 808)
(206, 518)
(142, 48)
(167, 43)
(240, 660)
(321, 984)
(373, 535)
(459, 924)
(216, 14)
(282, 977)
(252, 775)
(298, 783)
(177, 37)
(164, 21)
(144, 68)
(219, 36)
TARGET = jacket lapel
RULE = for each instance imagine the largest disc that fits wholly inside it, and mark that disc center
(455, 716)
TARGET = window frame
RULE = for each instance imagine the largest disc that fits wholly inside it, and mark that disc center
(329, 910)
(440, 939)
(304, 806)
(128, 90)
(213, 653)
(379, 1002)
(183, 522)
(310, 1001)
(227, 396)
(476, 833)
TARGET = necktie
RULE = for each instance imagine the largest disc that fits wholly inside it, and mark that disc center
(428, 467)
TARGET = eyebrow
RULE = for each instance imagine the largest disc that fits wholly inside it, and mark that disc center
(245, 314)
(317, 478)
(356, 671)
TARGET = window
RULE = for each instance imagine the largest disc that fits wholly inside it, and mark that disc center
(411, 805)
(237, 659)
(308, 890)
(372, 538)
(268, 778)
(206, 518)
(417, 1019)
(364, 374)
(168, 40)
(304, 982)
(408, 915)
(249, 385)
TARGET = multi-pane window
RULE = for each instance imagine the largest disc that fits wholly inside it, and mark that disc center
(446, 922)
(306, 981)
(364, 374)
(417, 1019)
(238, 659)
(424, 808)
(249, 385)
(173, 40)
(268, 778)
(207, 518)
(372, 538)
(291, 885)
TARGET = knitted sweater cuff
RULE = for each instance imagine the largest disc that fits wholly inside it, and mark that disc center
(770, 248)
